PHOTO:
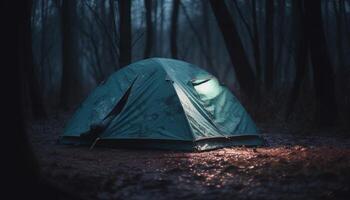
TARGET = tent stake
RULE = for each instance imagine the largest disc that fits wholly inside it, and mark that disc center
(94, 143)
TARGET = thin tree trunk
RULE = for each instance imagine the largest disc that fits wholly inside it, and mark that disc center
(155, 22)
(339, 37)
(173, 29)
(149, 29)
(113, 31)
(125, 32)
(281, 35)
(161, 32)
(256, 40)
(206, 25)
(43, 35)
(207, 30)
(239, 59)
(269, 40)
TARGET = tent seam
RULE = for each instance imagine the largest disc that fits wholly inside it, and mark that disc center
(183, 109)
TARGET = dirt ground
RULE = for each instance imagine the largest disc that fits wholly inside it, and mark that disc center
(291, 167)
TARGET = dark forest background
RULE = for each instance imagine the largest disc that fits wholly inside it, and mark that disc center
(287, 60)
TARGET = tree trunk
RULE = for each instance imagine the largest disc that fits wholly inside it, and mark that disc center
(239, 59)
(269, 40)
(300, 57)
(31, 79)
(149, 29)
(112, 20)
(206, 25)
(154, 49)
(280, 40)
(343, 6)
(322, 69)
(161, 32)
(256, 40)
(339, 37)
(173, 29)
(125, 32)
(24, 159)
(21, 166)
(70, 82)
(208, 35)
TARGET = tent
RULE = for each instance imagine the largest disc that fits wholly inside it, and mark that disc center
(161, 103)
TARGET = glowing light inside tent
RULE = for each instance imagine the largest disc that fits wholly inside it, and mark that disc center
(208, 88)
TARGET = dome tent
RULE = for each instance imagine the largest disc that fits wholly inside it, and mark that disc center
(161, 103)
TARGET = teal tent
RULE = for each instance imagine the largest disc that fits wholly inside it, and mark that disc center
(161, 103)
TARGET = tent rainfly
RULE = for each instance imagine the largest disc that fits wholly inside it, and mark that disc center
(162, 104)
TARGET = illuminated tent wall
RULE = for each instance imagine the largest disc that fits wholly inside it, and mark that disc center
(161, 103)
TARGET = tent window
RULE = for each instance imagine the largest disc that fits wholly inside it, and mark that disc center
(208, 88)
(195, 83)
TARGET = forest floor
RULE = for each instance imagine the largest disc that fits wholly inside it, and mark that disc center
(292, 166)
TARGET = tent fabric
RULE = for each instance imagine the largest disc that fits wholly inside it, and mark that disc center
(161, 103)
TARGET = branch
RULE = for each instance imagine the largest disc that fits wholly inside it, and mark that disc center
(100, 21)
(250, 32)
(196, 33)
